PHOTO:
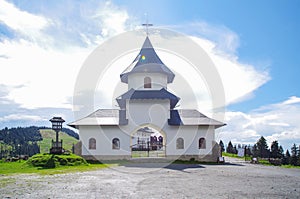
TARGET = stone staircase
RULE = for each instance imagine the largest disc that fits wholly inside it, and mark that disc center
(150, 160)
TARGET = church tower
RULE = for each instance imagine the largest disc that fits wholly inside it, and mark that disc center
(147, 78)
(147, 71)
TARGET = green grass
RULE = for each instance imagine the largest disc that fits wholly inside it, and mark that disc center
(52, 161)
(11, 168)
(49, 135)
(248, 158)
(260, 161)
(290, 166)
(264, 162)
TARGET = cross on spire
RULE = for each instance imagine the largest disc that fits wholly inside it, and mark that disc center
(147, 25)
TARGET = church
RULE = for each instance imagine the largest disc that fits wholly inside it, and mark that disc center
(147, 122)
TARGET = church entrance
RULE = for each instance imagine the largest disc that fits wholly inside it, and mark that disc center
(147, 142)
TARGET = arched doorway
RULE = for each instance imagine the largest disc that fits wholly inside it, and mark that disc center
(147, 141)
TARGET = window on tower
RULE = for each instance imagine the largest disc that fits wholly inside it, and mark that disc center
(147, 82)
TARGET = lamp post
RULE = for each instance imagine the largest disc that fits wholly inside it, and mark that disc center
(56, 126)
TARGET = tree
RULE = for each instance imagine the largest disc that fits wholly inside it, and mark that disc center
(229, 148)
(262, 147)
(222, 146)
(275, 150)
(281, 152)
(298, 156)
(255, 151)
(248, 150)
(294, 151)
(22, 140)
(286, 159)
(235, 151)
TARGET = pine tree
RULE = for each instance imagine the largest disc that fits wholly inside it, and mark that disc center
(255, 151)
(281, 152)
(235, 151)
(294, 151)
(275, 151)
(248, 150)
(298, 156)
(229, 148)
(222, 146)
(262, 147)
(287, 158)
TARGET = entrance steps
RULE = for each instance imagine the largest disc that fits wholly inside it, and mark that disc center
(150, 160)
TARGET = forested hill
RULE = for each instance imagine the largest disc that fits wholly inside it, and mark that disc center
(67, 131)
(27, 140)
(21, 135)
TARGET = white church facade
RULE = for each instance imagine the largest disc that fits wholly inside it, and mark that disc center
(147, 121)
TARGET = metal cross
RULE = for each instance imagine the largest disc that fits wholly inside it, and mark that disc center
(147, 25)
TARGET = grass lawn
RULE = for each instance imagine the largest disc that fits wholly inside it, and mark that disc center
(11, 168)
(261, 161)
(248, 158)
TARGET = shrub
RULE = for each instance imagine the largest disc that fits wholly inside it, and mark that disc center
(52, 161)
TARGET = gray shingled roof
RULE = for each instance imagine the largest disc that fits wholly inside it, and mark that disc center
(194, 117)
(100, 117)
(103, 117)
(147, 61)
(148, 94)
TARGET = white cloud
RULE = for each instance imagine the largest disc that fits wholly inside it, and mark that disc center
(39, 72)
(293, 135)
(292, 100)
(222, 39)
(20, 117)
(278, 121)
(23, 22)
(47, 76)
(239, 80)
(113, 19)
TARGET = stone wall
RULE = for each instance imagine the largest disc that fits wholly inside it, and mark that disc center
(213, 157)
(106, 157)
(78, 148)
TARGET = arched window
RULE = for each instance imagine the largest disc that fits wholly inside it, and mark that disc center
(92, 143)
(115, 143)
(202, 143)
(179, 143)
(147, 82)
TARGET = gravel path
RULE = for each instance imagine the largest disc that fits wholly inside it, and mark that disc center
(144, 180)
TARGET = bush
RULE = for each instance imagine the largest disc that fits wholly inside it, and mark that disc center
(52, 161)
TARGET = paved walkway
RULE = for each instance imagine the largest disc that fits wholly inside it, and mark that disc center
(160, 180)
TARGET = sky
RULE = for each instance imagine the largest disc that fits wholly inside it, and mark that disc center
(254, 45)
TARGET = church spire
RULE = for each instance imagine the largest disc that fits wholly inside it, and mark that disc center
(147, 61)
(147, 25)
(147, 43)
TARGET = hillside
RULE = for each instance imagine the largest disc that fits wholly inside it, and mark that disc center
(48, 135)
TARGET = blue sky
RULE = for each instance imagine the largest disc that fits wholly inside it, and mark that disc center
(259, 39)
